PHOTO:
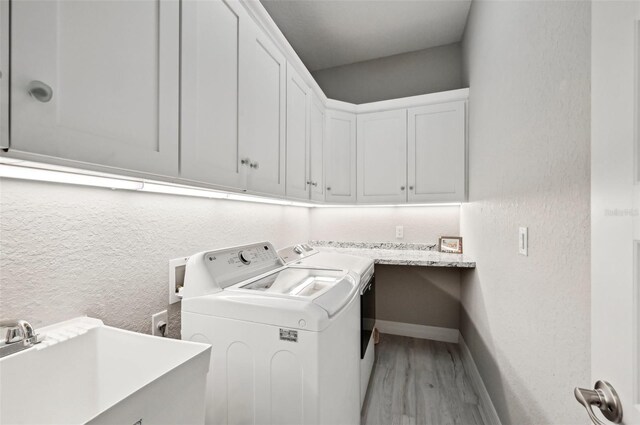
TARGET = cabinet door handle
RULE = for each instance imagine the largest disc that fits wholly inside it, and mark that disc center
(245, 161)
(314, 184)
(410, 187)
(308, 182)
(401, 187)
(40, 91)
(254, 165)
(328, 187)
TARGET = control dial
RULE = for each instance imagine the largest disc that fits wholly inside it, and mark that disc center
(298, 249)
(244, 258)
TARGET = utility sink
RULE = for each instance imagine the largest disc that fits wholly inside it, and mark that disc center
(86, 372)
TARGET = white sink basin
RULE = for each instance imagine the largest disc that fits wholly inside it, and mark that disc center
(85, 372)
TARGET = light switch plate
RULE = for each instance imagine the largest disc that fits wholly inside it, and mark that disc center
(523, 241)
(399, 232)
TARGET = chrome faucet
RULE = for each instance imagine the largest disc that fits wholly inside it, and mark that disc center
(19, 336)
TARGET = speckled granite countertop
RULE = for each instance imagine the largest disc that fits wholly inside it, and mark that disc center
(401, 254)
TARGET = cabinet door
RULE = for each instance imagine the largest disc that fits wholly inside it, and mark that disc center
(437, 153)
(214, 37)
(298, 99)
(264, 104)
(382, 157)
(112, 68)
(316, 140)
(340, 157)
(4, 74)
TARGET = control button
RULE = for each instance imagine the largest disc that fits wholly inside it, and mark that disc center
(243, 257)
(302, 323)
(297, 249)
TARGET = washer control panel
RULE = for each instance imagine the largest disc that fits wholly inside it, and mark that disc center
(232, 265)
(296, 252)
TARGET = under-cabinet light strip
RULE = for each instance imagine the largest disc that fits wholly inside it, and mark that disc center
(25, 170)
(30, 173)
(181, 190)
(441, 204)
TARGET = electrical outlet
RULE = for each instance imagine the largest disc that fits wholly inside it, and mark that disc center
(523, 241)
(157, 320)
(399, 232)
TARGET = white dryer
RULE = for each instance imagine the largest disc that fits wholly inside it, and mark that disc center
(285, 338)
(304, 254)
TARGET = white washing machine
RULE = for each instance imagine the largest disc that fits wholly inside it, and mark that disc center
(304, 254)
(285, 338)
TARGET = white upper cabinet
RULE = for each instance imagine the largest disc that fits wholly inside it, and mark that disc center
(316, 142)
(340, 157)
(437, 153)
(382, 157)
(97, 81)
(263, 105)
(4, 74)
(204, 92)
(298, 101)
(214, 37)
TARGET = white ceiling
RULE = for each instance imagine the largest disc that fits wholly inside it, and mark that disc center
(328, 33)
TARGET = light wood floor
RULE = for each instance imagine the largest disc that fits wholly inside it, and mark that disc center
(421, 382)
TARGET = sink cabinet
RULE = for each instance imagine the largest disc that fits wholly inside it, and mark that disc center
(84, 372)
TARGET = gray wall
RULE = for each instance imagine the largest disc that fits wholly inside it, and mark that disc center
(527, 319)
(419, 295)
(408, 74)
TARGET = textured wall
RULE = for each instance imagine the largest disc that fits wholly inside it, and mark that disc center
(407, 74)
(526, 319)
(69, 250)
(364, 224)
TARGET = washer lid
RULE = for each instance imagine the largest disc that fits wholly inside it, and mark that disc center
(330, 289)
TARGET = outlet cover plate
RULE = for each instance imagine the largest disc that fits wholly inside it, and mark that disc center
(161, 316)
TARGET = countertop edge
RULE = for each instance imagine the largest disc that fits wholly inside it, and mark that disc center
(390, 256)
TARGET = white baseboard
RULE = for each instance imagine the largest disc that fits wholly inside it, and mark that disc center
(418, 331)
(487, 410)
